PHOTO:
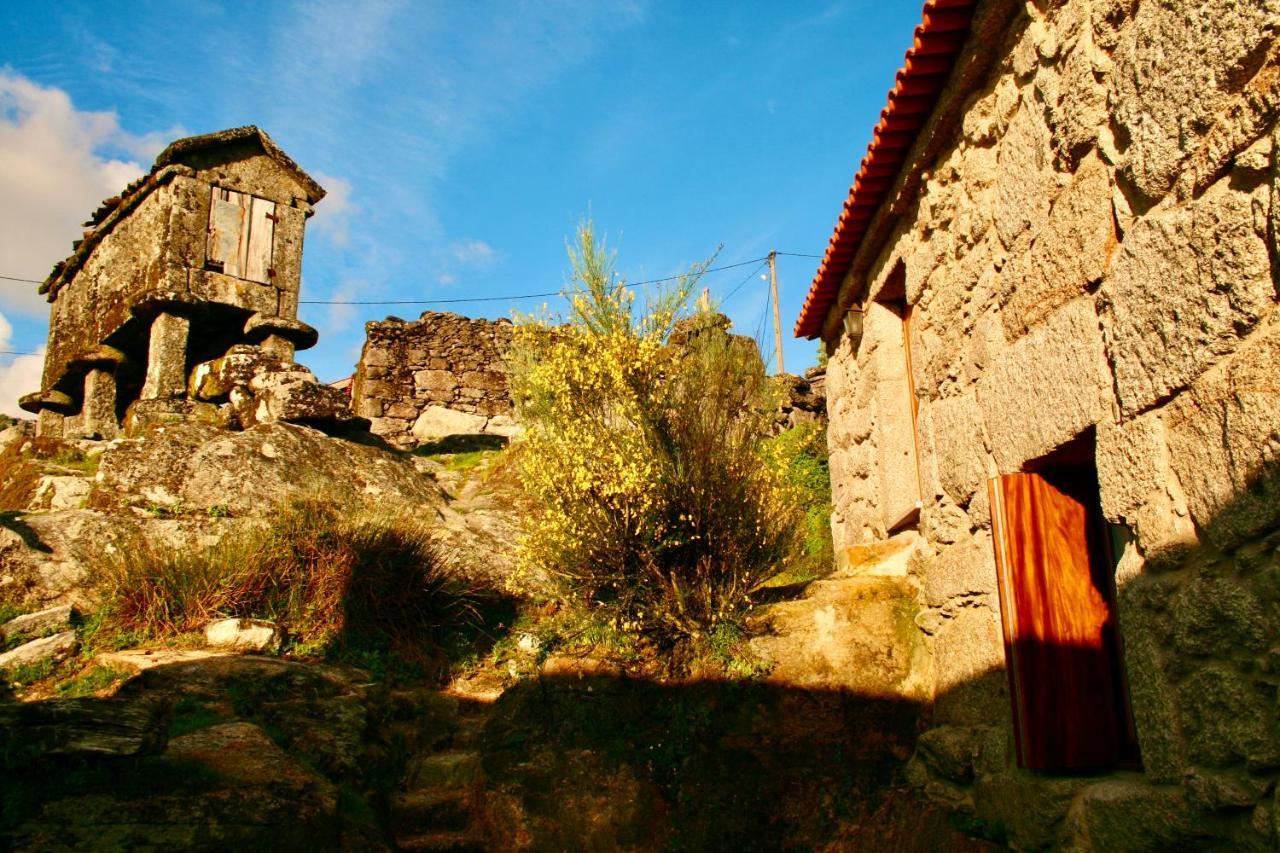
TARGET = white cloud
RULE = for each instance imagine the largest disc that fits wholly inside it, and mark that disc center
(18, 375)
(473, 253)
(334, 212)
(53, 174)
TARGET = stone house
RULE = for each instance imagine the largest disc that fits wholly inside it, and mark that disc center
(201, 254)
(1054, 372)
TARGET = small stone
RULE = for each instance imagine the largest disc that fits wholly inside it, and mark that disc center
(245, 635)
(45, 650)
(41, 622)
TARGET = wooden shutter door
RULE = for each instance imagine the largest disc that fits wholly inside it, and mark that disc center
(1057, 602)
(241, 231)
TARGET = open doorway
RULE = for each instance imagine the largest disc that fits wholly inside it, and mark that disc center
(1056, 565)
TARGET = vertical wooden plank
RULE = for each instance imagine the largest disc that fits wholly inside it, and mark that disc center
(1057, 608)
(228, 217)
(261, 236)
(911, 392)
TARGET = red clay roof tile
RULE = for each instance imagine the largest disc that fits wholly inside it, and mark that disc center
(936, 43)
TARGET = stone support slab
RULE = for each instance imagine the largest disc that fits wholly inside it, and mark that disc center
(167, 357)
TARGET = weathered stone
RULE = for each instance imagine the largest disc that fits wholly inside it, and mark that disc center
(303, 402)
(83, 727)
(435, 379)
(1069, 253)
(1024, 177)
(1137, 487)
(853, 634)
(968, 659)
(1055, 378)
(251, 471)
(1227, 717)
(245, 635)
(439, 421)
(1224, 440)
(1218, 616)
(167, 357)
(949, 752)
(503, 425)
(1174, 66)
(1030, 808)
(440, 361)
(44, 650)
(1132, 816)
(42, 622)
(1224, 790)
(1154, 700)
(213, 381)
(1186, 284)
(958, 431)
(963, 570)
(60, 492)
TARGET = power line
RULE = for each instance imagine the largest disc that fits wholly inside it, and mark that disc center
(15, 352)
(739, 286)
(485, 298)
(509, 298)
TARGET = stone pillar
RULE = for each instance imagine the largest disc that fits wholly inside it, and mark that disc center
(99, 405)
(49, 423)
(279, 346)
(167, 357)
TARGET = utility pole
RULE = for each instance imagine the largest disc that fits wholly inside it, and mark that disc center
(777, 312)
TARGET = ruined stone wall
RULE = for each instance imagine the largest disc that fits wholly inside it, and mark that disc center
(1097, 251)
(436, 376)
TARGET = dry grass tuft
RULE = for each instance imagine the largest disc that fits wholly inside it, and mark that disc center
(327, 575)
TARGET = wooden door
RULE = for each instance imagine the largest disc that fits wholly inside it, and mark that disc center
(1057, 602)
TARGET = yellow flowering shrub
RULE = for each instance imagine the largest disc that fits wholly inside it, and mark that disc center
(655, 493)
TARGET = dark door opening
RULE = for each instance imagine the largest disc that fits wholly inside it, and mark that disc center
(1056, 571)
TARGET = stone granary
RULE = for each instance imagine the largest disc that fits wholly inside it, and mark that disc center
(1050, 309)
(202, 254)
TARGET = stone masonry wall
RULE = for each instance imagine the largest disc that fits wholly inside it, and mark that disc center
(1097, 251)
(439, 375)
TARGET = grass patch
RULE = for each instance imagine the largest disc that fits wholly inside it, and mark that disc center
(192, 715)
(93, 680)
(336, 580)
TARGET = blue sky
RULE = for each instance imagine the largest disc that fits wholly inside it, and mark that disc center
(460, 142)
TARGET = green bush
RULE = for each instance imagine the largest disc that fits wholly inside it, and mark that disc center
(803, 450)
(656, 495)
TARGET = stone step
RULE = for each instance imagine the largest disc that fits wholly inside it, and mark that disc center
(452, 768)
(455, 842)
(469, 731)
(434, 809)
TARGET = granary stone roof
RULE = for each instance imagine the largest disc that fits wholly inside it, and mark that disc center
(936, 44)
(167, 164)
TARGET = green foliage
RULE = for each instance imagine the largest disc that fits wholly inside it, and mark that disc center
(191, 715)
(91, 681)
(656, 496)
(330, 577)
(30, 673)
(803, 450)
(728, 647)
